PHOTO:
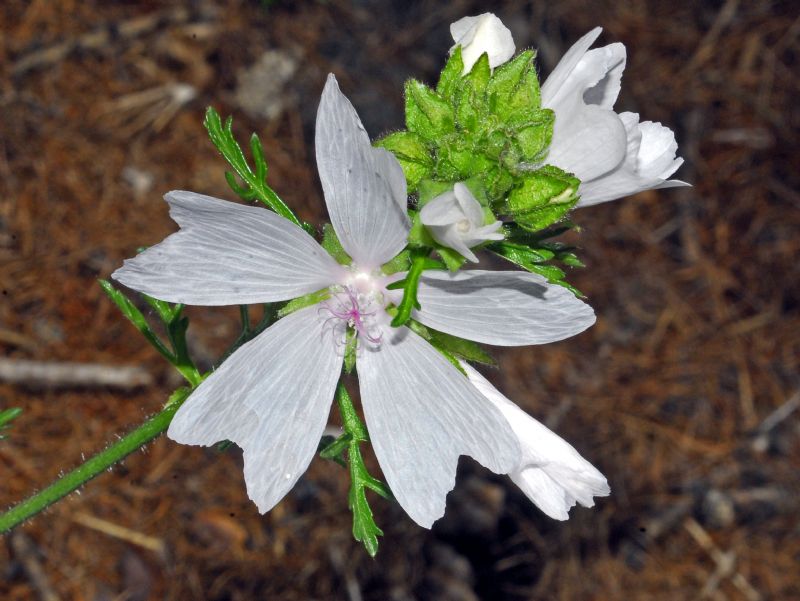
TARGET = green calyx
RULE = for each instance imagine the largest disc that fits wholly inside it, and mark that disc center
(486, 125)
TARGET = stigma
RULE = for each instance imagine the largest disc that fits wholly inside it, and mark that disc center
(354, 308)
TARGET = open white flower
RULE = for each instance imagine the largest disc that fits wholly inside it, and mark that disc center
(484, 33)
(551, 473)
(272, 396)
(613, 155)
(456, 219)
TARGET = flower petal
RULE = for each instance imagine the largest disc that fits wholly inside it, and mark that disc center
(226, 254)
(505, 308)
(650, 159)
(445, 209)
(484, 33)
(605, 92)
(422, 414)
(587, 140)
(364, 187)
(552, 473)
(558, 78)
(272, 398)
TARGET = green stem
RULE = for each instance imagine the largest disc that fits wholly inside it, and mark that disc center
(419, 259)
(95, 465)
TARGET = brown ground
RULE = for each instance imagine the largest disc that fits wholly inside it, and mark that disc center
(697, 293)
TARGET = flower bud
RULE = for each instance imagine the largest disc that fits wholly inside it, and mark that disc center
(484, 33)
(456, 220)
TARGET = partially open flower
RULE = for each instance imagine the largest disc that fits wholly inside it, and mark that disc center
(551, 473)
(484, 33)
(612, 154)
(456, 220)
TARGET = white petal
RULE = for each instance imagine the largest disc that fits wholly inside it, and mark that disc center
(587, 141)
(505, 308)
(442, 210)
(604, 93)
(364, 187)
(482, 34)
(449, 236)
(227, 253)
(650, 160)
(656, 158)
(272, 398)
(470, 206)
(558, 78)
(422, 414)
(552, 473)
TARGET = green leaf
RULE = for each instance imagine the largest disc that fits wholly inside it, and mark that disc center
(463, 349)
(542, 197)
(331, 243)
(427, 114)
(533, 260)
(452, 258)
(6, 417)
(400, 263)
(176, 330)
(333, 449)
(418, 235)
(301, 302)
(132, 313)
(365, 530)
(451, 75)
(255, 187)
(412, 153)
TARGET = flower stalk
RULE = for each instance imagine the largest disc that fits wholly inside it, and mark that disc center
(94, 466)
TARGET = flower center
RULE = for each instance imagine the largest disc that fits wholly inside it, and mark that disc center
(354, 306)
(463, 226)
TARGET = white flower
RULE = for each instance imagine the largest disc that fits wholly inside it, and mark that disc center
(456, 219)
(613, 155)
(484, 33)
(552, 473)
(273, 395)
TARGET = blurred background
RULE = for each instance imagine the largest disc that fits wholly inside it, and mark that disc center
(685, 393)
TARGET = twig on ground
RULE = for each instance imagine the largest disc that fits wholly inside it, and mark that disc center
(51, 374)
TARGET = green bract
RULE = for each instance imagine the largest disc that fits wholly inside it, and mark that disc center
(486, 129)
(485, 125)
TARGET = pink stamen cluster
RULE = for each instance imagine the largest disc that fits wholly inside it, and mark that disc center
(344, 308)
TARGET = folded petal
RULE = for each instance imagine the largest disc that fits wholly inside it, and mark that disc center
(226, 254)
(588, 137)
(504, 308)
(552, 473)
(605, 92)
(588, 142)
(650, 160)
(271, 397)
(482, 34)
(558, 79)
(364, 187)
(422, 414)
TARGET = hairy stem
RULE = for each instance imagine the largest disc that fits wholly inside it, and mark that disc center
(94, 466)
